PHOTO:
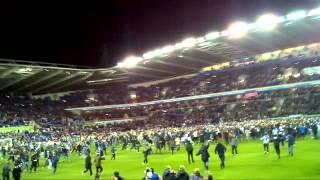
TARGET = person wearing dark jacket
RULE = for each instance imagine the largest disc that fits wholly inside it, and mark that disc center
(276, 145)
(6, 172)
(204, 155)
(166, 173)
(182, 174)
(34, 162)
(146, 153)
(220, 150)
(88, 165)
(55, 160)
(113, 152)
(189, 149)
(16, 172)
(117, 176)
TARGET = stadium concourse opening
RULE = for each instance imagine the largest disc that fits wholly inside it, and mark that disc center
(242, 103)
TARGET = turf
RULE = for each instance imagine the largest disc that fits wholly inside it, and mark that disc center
(16, 129)
(250, 163)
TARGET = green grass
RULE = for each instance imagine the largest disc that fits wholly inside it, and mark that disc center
(251, 163)
(16, 129)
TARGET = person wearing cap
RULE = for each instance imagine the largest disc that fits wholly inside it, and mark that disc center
(196, 175)
(182, 173)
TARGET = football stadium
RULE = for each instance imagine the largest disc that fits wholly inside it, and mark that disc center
(238, 103)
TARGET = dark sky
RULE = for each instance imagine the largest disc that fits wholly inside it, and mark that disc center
(100, 33)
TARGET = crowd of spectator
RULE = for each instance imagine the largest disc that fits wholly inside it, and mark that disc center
(17, 110)
(291, 69)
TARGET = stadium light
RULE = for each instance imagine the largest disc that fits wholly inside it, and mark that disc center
(314, 12)
(267, 22)
(131, 61)
(189, 42)
(200, 40)
(157, 52)
(212, 35)
(296, 15)
(148, 55)
(168, 49)
(238, 29)
(24, 70)
(251, 26)
(120, 65)
(152, 54)
(225, 33)
(178, 46)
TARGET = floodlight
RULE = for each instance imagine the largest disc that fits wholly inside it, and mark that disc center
(157, 52)
(314, 12)
(225, 33)
(133, 96)
(189, 42)
(267, 22)
(24, 70)
(200, 40)
(152, 54)
(178, 46)
(212, 35)
(296, 15)
(131, 61)
(168, 49)
(120, 65)
(148, 55)
(251, 26)
(238, 29)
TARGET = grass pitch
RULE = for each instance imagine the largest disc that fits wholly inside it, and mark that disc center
(16, 129)
(250, 163)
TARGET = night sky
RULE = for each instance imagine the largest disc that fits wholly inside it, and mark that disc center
(100, 33)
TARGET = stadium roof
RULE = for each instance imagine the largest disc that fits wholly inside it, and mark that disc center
(240, 40)
(39, 78)
(189, 56)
